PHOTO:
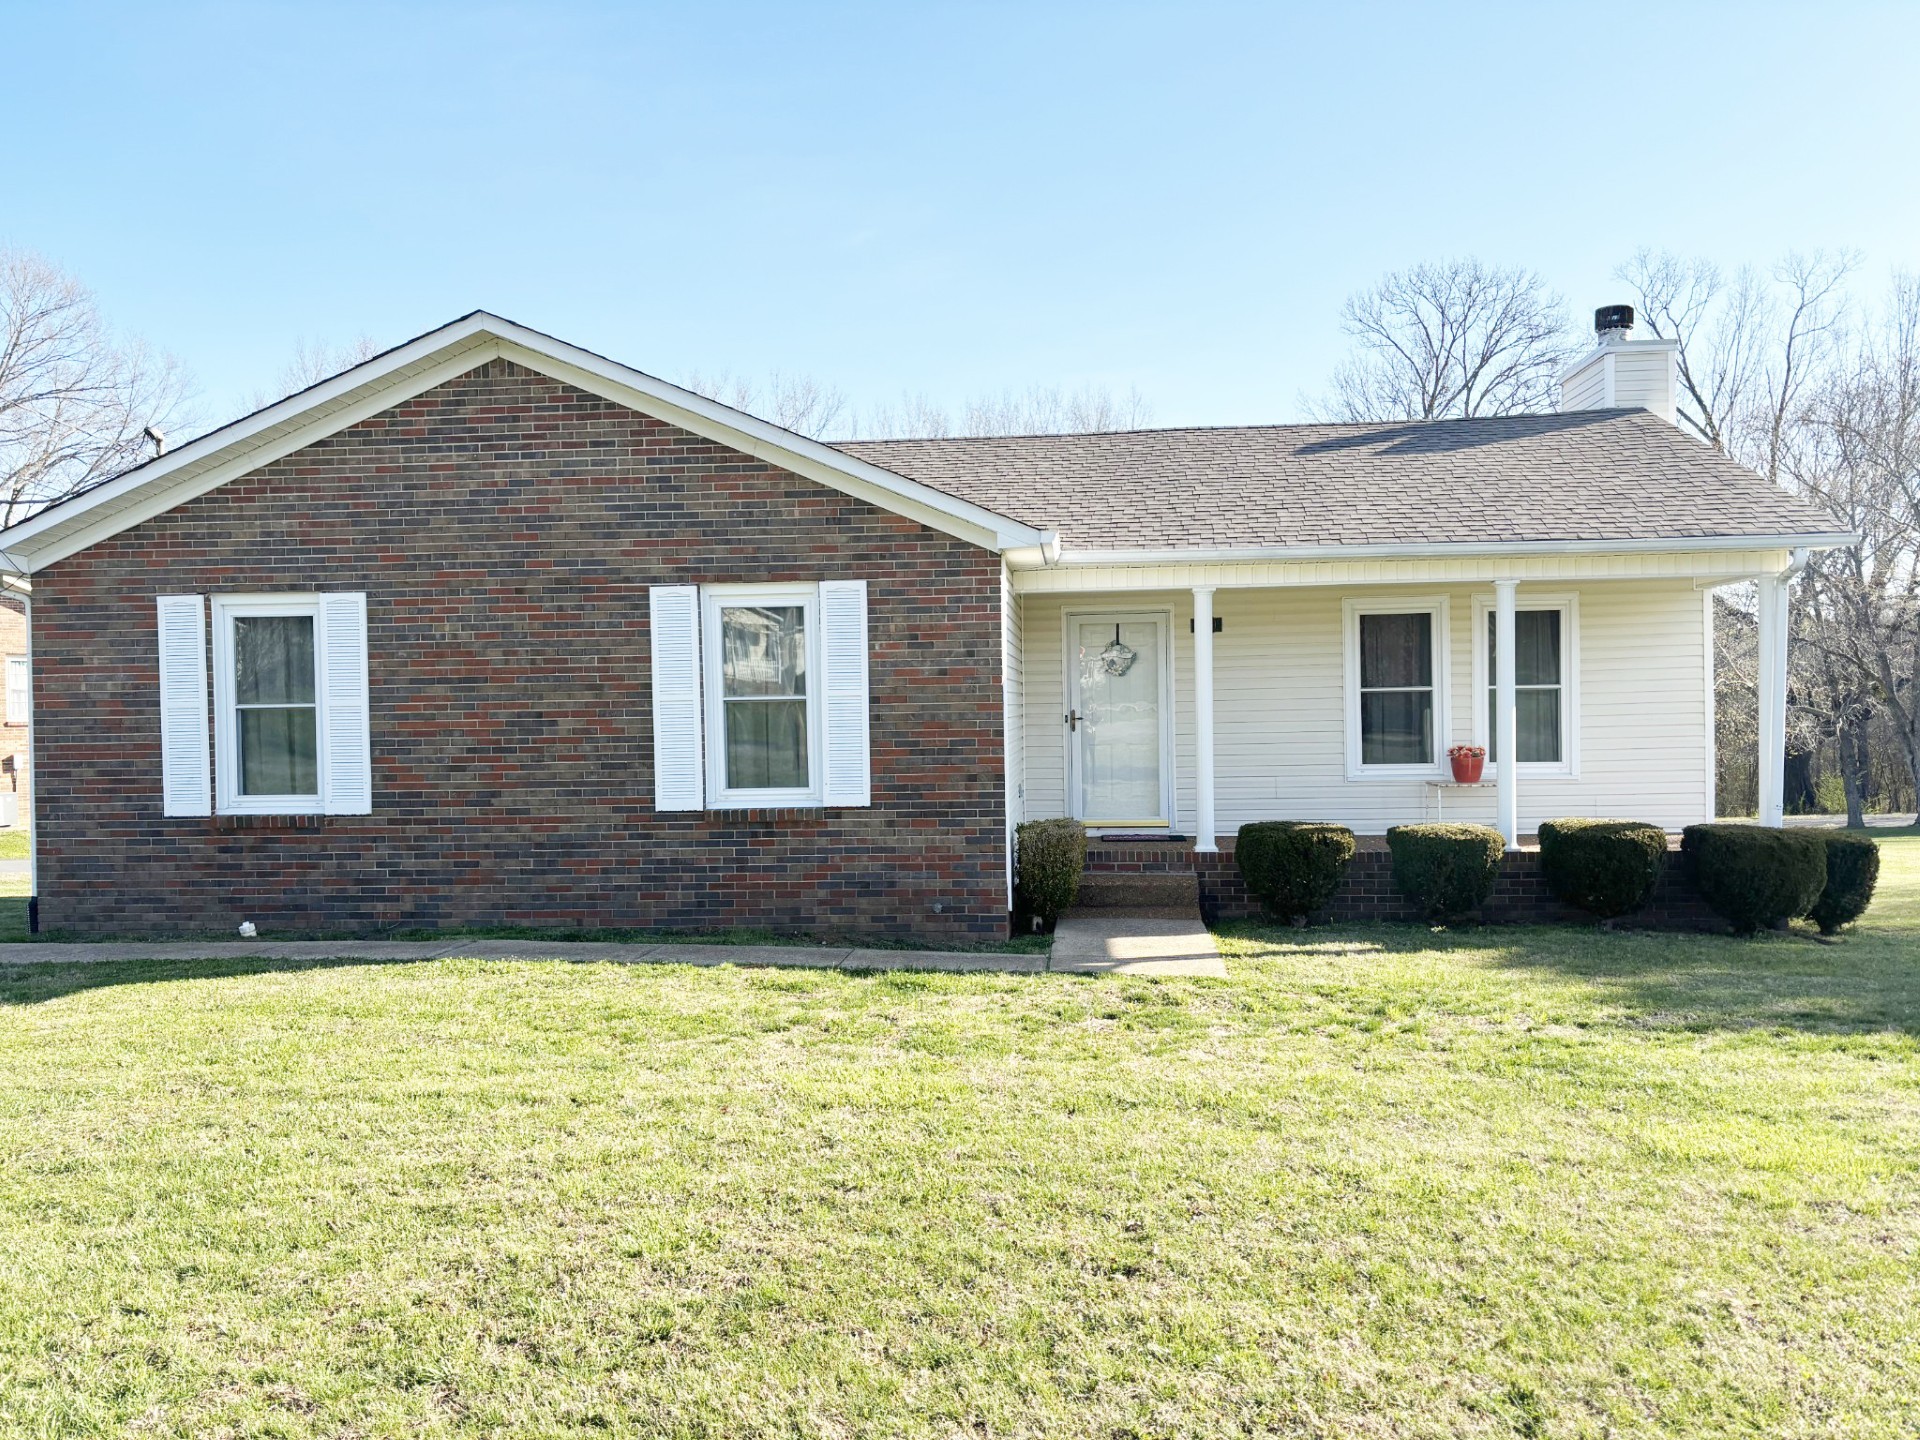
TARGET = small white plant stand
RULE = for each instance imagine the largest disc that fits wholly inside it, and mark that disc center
(1440, 788)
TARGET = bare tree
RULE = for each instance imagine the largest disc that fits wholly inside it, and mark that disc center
(1750, 346)
(809, 407)
(798, 403)
(311, 362)
(917, 416)
(1036, 410)
(75, 401)
(1450, 339)
(1859, 451)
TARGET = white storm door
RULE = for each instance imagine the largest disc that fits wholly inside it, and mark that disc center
(1119, 703)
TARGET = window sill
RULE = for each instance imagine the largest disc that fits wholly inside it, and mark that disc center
(309, 821)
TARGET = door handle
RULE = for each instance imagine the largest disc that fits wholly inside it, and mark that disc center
(1073, 719)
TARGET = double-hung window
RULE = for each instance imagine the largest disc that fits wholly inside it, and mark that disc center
(19, 689)
(1545, 644)
(763, 701)
(1396, 687)
(760, 696)
(290, 705)
(266, 682)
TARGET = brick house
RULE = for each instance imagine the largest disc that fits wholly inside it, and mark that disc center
(490, 630)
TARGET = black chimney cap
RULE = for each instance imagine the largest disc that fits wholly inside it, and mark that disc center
(1612, 317)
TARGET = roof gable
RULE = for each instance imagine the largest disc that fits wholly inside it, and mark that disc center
(433, 359)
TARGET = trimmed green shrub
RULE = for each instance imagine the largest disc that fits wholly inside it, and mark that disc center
(1292, 867)
(1446, 870)
(1754, 876)
(1853, 867)
(1049, 857)
(1606, 867)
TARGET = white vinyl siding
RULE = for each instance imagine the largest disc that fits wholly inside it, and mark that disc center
(1280, 731)
(1645, 378)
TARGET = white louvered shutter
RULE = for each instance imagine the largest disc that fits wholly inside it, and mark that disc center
(347, 786)
(843, 659)
(186, 753)
(673, 615)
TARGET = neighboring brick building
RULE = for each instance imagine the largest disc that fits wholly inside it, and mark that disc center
(489, 630)
(16, 753)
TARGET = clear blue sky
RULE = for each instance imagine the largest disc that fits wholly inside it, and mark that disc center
(945, 198)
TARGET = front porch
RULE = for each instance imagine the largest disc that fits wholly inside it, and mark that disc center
(1332, 691)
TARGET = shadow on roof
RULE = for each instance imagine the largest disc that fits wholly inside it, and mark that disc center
(1440, 437)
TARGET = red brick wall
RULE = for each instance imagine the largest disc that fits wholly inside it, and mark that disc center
(505, 528)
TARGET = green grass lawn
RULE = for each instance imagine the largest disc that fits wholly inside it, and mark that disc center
(1379, 1182)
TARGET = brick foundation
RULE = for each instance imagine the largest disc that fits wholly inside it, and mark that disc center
(506, 527)
(1367, 892)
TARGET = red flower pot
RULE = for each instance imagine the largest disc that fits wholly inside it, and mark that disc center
(1467, 768)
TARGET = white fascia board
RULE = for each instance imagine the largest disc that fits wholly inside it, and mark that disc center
(1416, 550)
(434, 358)
(258, 439)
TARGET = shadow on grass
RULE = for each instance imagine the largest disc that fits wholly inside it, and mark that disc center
(39, 981)
(1867, 982)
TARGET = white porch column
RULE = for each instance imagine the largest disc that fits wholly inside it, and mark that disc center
(1773, 699)
(1203, 824)
(1505, 726)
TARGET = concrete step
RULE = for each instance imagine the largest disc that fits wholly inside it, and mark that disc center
(1134, 942)
(1133, 891)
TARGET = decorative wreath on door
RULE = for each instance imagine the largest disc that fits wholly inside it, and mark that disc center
(1117, 658)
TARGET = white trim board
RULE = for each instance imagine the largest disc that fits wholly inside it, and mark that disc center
(432, 359)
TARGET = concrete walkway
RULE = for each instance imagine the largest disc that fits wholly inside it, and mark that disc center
(1110, 943)
(1135, 942)
(814, 957)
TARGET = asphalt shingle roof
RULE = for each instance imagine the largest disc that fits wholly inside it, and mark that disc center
(1584, 475)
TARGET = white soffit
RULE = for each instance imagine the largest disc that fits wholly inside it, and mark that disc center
(433, 359)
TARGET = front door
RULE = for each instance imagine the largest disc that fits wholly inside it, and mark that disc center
(1118, 693)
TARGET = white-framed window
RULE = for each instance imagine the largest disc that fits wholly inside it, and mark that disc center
(290, 705)
(266, 685)
(760, 696)
(761, 666)
(1396, 687)
(19, 690)
(1546, 673)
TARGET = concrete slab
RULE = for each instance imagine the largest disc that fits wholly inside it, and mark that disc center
(1110, 942)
